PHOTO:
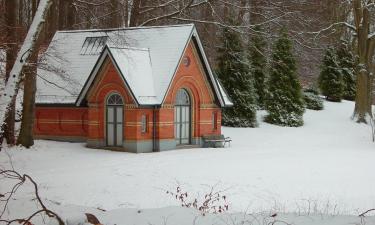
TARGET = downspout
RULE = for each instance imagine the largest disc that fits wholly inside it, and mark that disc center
(154, 146)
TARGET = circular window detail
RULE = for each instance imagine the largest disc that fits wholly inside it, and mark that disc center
(186, 61)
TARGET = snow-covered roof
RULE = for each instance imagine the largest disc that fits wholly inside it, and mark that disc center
(147, 58)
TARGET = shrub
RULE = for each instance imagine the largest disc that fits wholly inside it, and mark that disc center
(235, 75)
(330, 79)
(312, 100)
(284, 102)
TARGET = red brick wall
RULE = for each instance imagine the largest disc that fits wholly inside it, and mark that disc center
(61, 121)
(192, 79)
(90, 122)
(106, 83)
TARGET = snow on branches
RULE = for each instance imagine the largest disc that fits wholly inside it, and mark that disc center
(12, 86)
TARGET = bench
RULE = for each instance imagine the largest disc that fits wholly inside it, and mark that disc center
(216, 141)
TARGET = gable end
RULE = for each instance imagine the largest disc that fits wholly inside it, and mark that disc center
(106, 55)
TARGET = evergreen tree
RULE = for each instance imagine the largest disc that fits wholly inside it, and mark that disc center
(330, 79)
(233, 71)
(258, 62)
(347, 64)
(284, 101)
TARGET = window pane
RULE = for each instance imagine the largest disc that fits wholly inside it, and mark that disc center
(178, 115)
(110, 134)
(93, 45)
(183, 111)
(187, 114)
(119, 135)
(175, 130)
(115, 99)
(183, 130)
(187, 130)
(110, 115)
(178, 131)
(182, 98)
(175, 114)
(119, 115)
(144, 123)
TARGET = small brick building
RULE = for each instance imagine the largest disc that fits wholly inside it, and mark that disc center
(136, 89)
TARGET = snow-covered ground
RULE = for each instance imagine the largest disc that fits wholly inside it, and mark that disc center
(324, 167)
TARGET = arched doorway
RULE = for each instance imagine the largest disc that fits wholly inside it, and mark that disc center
(114, 120)
(182, 118)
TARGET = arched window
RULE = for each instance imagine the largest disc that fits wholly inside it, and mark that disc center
(182, 98)
(114, 120)
(115, 99)
(182, 117)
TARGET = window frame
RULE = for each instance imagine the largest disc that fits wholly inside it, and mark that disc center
(144, 123)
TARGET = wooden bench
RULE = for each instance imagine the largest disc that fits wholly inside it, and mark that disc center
(216, 141)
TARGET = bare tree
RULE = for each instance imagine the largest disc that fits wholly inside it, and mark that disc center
(364, 31)
(23, 56)
(8, 196)
(26, 137)
(66, 14)
(11, 49)
(359, 23)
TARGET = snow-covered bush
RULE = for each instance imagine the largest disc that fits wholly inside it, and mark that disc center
(257, 60)
(234, 73)
(312, 100)
(347, 63)
(284, 102)
(330, 78)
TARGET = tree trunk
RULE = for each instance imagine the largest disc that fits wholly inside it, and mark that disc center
(66, 14)
(115, 16)
(362, 109)
(26, 136)
(71, 16)
(23, 56)
(62, 13)
(365, 52)
(12, 48)
(134, 15)
(126, 13)
(242, 11)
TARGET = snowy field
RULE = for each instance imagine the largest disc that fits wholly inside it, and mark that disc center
(326, 167)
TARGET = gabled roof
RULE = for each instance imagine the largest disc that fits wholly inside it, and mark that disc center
(146, 57)
(134, 66)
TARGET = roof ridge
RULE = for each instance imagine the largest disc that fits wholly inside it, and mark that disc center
(125, 28)
(129, 47)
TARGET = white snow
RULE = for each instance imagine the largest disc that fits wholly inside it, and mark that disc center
(65, 70)
(371, 35)
(2, 68)
(166, 45)
(137, 75)
(134, 65)
(324, 167)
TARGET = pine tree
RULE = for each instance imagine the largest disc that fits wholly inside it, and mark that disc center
(284, 101)
(330, 79)
(258, 63)
(234, 73)
(347, 64)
